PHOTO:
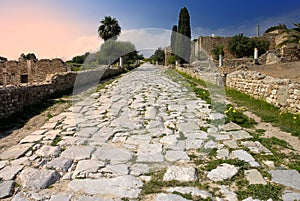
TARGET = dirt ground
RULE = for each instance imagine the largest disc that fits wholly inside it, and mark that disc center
(284, 71)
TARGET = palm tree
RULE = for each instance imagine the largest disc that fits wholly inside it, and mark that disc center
(109, 28)
(293, 36)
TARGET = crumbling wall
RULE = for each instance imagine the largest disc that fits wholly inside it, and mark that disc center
(279, 92)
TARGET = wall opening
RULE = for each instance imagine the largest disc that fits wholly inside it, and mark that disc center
(24, 78)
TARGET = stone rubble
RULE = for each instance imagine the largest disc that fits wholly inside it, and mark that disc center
(107, 145)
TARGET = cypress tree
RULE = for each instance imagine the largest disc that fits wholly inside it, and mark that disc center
(183, 39)
(173, 38)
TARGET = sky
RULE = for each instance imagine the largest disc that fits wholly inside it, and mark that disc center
(66, 28)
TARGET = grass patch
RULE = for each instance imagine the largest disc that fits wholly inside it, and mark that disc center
(267, 112)
(56, 140)
(260, 191)
(237, 116)
(214, 164)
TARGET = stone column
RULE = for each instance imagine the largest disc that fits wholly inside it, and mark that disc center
(255, 55)
(220, 60)
(121, 61)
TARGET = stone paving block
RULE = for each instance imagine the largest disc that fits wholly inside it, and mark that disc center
(290, 178)
(190, 190)
(254, 177)
(31, 139)
(174, 156)
(222, 172)
(180, 173)
(15, 151)
(112, 154)
(240, 135)
(78, 152)
(60, 164)
(38, 179)
(10, 172)
(6, 188)
(150, 153)
(48, 151)
(169, 197)
(60, 197)
(118, 187)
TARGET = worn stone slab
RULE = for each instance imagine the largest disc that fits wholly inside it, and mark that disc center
(210, 145)
(38, 179)
(243, 155)
(174, 156)
(216, 116)
(290, 196)
(3, 164)
(222, 172)
(49, 125)
(139, 169)
(193, 144)
(254, 177)
(190, 190)
(93, 198)
(10, 172)
(39, 132)
(222, 137)
(138, 139)
(179, 173)
(113, 154)
(228, 194)
(231, 144)
(78, 152)
(31, 139)
(150, 153)
(118, 187)
(240, 135)
(48, 151)
(60, 164)
(6, 188)
(116, 170)
(86, 132)
(170, 140)
(169, 197)
(15, 151)
(256, 147)
(290, 178)
(188, 127)
(60, 197)
(222, 154)
(231, 127)
(84, 167)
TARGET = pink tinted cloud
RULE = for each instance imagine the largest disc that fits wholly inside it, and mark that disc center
(45, 31)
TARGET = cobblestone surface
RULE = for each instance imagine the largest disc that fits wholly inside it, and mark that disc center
(107, 146)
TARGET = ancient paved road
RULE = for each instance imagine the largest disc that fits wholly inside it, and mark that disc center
(105, 147)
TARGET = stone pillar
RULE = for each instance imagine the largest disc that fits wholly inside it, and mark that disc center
(121, 61)
(255, 55)
(220, 60)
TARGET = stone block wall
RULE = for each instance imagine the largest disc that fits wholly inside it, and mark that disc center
(12, 72)
(14, 98)
(279, 92)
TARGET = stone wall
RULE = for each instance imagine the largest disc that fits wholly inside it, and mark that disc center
(14, 98)
(279, 92)
(29, 71)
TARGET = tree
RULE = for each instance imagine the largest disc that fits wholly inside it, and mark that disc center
(80, 58)
(159, 55)
(29, 56)
(273, 28)
(293, 35)
(242, 46)
(217, 50)
(112, 50)
(173, 38)
(183, 38)
(109, 28)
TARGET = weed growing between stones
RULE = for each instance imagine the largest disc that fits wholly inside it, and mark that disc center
(267, 112)
(260, 191)
(237, 116)
(56, 140)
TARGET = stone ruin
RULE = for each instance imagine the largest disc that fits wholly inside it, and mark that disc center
(29, 71)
